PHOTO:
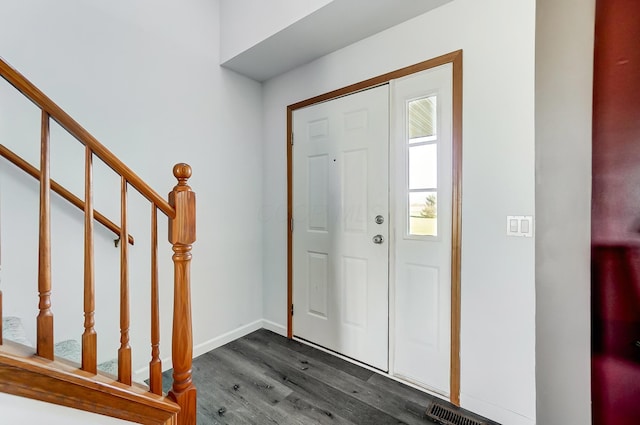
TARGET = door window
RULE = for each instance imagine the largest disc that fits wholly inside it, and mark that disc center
(422, 160)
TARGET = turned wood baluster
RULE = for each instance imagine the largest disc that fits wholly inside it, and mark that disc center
(44, 333)
(155, 365)
(182, 233)
(89, 337)
(124, 352)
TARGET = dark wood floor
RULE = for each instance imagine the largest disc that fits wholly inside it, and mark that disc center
(264, 378)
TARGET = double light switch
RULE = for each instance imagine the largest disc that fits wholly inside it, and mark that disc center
(520, 225)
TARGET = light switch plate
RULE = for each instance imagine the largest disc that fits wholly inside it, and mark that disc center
(520, 225)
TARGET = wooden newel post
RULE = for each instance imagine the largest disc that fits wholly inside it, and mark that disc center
(182, 233)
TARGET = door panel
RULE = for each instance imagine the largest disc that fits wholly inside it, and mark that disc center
(340, 185)
(422, 150)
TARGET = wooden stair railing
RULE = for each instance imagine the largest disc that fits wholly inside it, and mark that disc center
(180, 210)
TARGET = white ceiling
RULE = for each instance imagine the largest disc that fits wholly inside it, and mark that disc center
(336, 25)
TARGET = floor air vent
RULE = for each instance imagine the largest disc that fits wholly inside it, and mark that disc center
(447, 416)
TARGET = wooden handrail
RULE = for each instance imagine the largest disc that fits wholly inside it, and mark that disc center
(27, 88)
(59, 189)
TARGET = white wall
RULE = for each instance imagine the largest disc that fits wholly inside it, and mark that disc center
(564, 87)
(144, 78)
(244, 23)
(498, 292)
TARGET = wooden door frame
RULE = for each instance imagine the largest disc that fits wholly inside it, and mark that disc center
(455, 58)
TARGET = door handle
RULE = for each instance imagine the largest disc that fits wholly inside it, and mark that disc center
(378, 239)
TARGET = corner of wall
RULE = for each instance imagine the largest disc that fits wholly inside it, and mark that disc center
(564, 75)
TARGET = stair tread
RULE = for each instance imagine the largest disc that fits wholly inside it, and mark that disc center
(13, 330)
(70, 349)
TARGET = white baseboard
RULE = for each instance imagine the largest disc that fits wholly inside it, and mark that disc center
(226, 338)
(141, 374)
(493, 412)
(274, 327)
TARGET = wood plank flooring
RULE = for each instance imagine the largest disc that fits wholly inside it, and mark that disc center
(264, 378)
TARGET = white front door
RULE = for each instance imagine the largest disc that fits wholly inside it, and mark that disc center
(422, 190)
(341, 220)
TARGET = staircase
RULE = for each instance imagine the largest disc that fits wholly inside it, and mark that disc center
(40, 372)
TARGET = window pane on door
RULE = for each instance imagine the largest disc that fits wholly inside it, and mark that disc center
(423, 166)
(422, 118)
(423, 213)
